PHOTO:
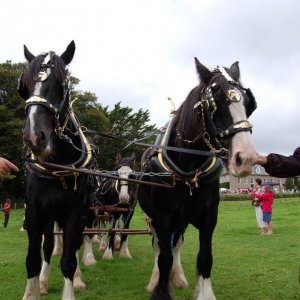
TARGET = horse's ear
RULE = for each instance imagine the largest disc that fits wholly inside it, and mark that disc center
(67, 56)
(204, 74)
(28, 55)
(235, 69)
(132, 158)
(118, 158)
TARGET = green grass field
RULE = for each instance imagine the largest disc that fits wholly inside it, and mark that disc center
(246, 265)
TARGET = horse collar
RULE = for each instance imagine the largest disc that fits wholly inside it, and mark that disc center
(202, 174)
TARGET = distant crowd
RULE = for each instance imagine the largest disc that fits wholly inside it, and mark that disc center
(275, 189)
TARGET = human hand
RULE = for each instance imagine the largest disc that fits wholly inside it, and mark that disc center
(261, 160)
(6, 166)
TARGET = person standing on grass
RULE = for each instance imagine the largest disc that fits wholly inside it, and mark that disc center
(267, 200)
(257, 203)
(6, 210)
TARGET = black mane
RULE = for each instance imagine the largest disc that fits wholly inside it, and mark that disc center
(187, 118)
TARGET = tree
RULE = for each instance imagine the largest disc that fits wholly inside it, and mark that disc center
(89, 112)
(12, 122)
(289, 184)
(127, 125)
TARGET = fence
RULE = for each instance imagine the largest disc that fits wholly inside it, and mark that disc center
(14, 205)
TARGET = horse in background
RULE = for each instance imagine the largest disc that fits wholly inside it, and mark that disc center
(210, 126)
(116, 195)
(52, 134)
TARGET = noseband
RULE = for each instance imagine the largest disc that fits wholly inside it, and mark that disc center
(119, 183)
(214, 137)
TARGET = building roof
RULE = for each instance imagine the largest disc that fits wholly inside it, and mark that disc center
(257, 170)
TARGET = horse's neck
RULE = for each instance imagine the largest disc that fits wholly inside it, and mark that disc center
(108, 194)
(186, 161)
(64, 153)
(64, 148)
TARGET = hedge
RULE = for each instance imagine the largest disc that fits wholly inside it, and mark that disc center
(240, 197)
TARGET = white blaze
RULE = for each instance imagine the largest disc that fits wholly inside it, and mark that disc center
(124, 172)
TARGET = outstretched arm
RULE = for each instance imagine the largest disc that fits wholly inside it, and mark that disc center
(281, 166)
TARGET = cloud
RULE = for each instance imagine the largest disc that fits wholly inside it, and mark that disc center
(141, 52)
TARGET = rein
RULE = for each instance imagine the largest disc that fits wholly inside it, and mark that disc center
(137, 142)
(94, 173)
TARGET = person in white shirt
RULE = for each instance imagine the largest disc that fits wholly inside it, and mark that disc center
(258, 207)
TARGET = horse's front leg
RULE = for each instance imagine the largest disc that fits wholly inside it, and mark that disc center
(204, 289)
(48, 246)
(124, 251)
(88, 257)
(78, 284)
(72, 239)
(108, 253)
(177, 277)
(33, 259)
(103, 236)
(58, 243)
(164, 261)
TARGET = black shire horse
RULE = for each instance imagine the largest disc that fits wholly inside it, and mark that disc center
(210, 126)
(119, 198)
(52, 134)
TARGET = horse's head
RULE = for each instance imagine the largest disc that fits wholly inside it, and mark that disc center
(125, 167)
(225, 106)
(45, 87)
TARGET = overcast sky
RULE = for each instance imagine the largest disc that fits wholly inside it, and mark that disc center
(140, 52)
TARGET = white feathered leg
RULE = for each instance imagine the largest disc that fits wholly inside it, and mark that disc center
(124, 251)
(32, 291)
(44, 278)
(78, 284)
(204, 289)
(58, 242)
(177, 277)
(68, 291)
(88, 257)
(155, 272)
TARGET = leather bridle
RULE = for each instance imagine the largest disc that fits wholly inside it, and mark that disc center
(57, 109)
(214, 137)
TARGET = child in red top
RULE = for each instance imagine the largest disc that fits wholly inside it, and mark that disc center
(6, 210)
(267, 200)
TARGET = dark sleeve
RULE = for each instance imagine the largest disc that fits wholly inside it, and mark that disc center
(283, 166)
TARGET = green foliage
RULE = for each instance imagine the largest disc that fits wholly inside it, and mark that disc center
(289, 184)
(235, 197)
(12, 122)
(225, 185)
(297, 183)
(242, 197)
(127, 125)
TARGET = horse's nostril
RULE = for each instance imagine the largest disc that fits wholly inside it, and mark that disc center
(42, 137)
(238, 160)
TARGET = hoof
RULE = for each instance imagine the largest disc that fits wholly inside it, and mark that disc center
(78, 284)
(125, 254)
(102, 247)
(89, 261)
(95, 240)
(108, 255)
